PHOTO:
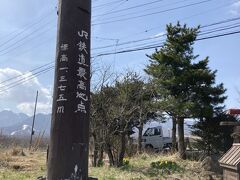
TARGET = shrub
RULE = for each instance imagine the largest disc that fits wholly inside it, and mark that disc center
(125, 162)
(100, 163)
(165, 165)
(17, 152)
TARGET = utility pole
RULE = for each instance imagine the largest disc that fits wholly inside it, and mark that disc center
(34, 115)
(69, 141)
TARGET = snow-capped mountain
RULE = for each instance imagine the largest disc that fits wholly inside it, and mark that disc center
(21, 125)
(26, 129)
(42, 123)
(9, 118)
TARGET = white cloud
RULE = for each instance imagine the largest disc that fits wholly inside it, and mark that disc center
(159, 34)
(22, 95)
(27, 108)
(235, 9)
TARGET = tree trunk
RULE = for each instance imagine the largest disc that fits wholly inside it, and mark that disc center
(100, 159)
(174, 138)
(95, 152)
(181, 145)
(110, 155)
(95, 157)
(122, 150)
(140, 130)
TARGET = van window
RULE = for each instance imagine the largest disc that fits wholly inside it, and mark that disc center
(157, 131)
(149, 132)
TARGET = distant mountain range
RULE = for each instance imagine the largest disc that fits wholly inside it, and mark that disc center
(9, 118)
(19, 124)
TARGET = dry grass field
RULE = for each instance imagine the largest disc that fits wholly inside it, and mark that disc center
(21, 164)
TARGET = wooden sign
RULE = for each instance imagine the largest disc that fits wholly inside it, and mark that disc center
(68, 150)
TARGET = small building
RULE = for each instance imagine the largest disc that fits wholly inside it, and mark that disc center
(230, 162)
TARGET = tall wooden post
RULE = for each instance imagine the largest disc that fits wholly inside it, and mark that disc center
(34, 115)
(68, 150)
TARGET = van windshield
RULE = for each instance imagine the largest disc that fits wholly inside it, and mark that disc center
(149, 132)
(152, 132)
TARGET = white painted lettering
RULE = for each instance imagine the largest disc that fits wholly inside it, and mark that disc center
(82, 73)
(82, 47)
(62, 88)
(60, 109)
(82, 60)
(64, 47)
(82, 96)
(81, 108)
(83, 34)
(61, 98)
(81, 85)
(63, 58)
(62, 79)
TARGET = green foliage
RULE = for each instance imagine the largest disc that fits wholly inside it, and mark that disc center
(214, 138)
(165, 165)
(126, 162)
(186, 87)
(100, 163)
(169, 67)
(126, 165)
(115, 110)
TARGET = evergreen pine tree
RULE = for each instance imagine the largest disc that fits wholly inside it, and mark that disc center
(186, 88)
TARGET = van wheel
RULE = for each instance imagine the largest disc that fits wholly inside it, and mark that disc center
(149, 148)
(167, 146)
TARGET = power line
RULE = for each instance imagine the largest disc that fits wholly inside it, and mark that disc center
(151, 38)
(110, 53)
(25, 29)
(32, 46)
(220, 29)
(119, 44)
(22, 81)
(22, 39)
(154, 37)
(219, 35)
(160, 45)
(144, 10)
(9, 47)
(205, 32)
(13, 46)
(188, 17)
(147, 9)
(26, 79)
(133, 7)
(104, 38)
(30, 74)
(128, 42)
(24, 76)
(153, 13)
(199, 35)
(33, 70)
(114, 8)
(146, 39)
(222, 22)
(108, 4)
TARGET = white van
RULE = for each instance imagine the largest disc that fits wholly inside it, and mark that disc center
(153, 139)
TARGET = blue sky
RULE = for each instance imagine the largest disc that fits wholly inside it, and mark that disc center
(28, 40)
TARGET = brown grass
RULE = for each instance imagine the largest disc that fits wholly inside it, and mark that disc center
(22, 164)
